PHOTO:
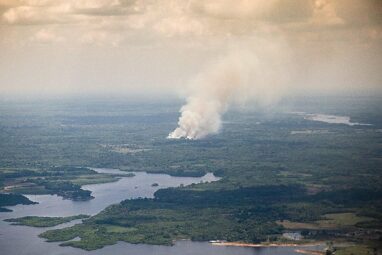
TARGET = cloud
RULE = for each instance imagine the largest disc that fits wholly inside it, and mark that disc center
(40, 12)
(9, 3)
(100, 38)
(46, 36)
(64, 11)
(328, 41)
(173, 18)
(271, 11)
(325, 14)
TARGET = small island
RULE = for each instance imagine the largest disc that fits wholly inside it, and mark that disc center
(42, 222)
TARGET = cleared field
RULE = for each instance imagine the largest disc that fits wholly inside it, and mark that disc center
(355, 250)
(330, 221)
(298, 225)
(342, 220)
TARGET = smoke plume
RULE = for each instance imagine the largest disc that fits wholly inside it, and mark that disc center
(242, 75)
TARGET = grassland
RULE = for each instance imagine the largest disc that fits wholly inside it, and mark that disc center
(338, 220)
(358, 249)
(329, 221)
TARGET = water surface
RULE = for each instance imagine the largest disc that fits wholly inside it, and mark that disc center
(23, 240)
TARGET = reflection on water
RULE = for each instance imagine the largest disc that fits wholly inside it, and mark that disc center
(22, 240)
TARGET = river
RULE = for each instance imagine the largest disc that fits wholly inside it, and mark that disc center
(23, 240)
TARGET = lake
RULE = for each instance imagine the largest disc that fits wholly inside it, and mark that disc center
(23, 240)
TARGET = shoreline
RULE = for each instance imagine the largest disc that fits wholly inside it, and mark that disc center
(309, 252)
(238, 244)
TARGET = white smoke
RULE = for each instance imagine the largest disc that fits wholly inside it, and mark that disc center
(240, 76)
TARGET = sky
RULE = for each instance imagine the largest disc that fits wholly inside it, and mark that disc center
(163, 47)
